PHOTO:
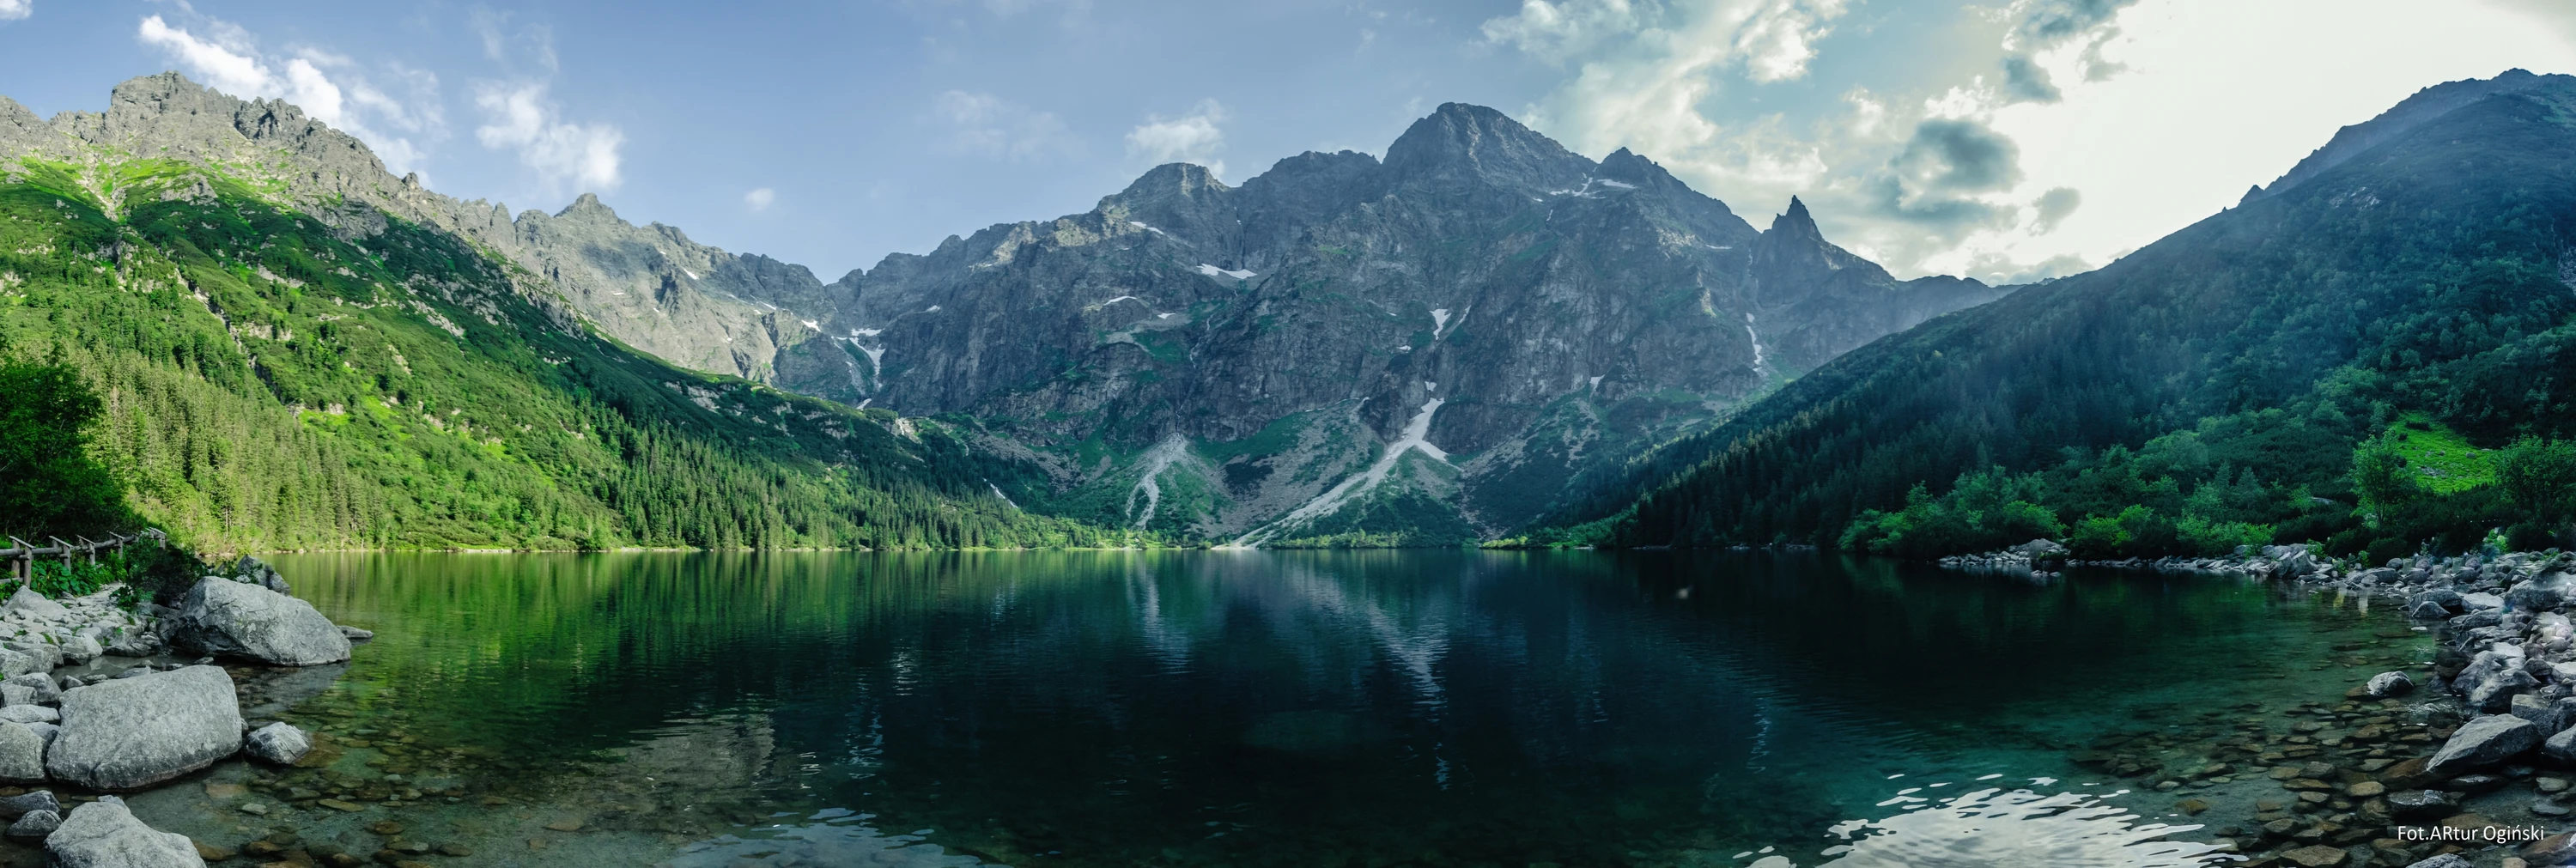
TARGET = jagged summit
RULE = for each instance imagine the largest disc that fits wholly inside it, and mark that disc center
(1795, 221)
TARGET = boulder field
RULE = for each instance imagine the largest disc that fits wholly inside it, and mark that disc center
(109, 729)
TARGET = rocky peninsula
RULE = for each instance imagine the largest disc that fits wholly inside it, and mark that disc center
(98, 700)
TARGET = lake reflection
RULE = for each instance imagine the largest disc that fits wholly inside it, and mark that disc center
(1281, 708)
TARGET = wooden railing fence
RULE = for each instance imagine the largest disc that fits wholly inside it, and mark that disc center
(22, 555)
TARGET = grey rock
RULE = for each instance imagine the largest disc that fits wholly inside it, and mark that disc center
(78, 650)
(43, 685)
(34, 826)
(22, 754)
(15, 663)
(135, 732)
(28, 601)
(104, 834)
(2484, 742)
(2387, 684)
(46, 731)
(280, 743)
(47, 655)
(253, 571)
(135, 672)
(355, 634)
(222, 617)
(2481, 600)
(134, 643)
(2551, 713)
(2495, 694)
(29, 714)
(2427, 610)
(2562, 746)
(2422, 804)
(2542, 593)
(17, 694)
(2040, 548)
(2477, 619)
(2446, 860)
(13, 807)
(2291, 561)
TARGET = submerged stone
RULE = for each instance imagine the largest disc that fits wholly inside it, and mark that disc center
(104, 834)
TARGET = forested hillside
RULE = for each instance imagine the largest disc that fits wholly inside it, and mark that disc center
(272, 380)
(2376, 355)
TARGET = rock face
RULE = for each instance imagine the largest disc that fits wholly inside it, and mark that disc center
(1242, 351)
(2484, 742)
(104, 834)
(135, 732)
(227, 617)
(279, 743)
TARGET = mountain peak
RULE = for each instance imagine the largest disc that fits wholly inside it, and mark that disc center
(1796, 220)
(1459, 139)
(588, 205)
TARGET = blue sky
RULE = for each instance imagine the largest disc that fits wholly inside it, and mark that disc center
(2001, 139)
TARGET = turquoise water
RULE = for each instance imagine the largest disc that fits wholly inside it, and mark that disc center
(1259, 708)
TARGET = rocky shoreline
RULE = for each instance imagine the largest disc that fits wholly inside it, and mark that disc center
(97, 701)
(2422, 765)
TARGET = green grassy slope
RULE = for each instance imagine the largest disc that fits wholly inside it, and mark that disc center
(2233, 380)
(275, 382)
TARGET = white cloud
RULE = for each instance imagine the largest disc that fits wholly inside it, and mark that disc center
(760, 198)
(1561, 29)
(986, 125)
(12, 10)
(2115, 130)
(1190, 138)
(519, 116)
(225, 57)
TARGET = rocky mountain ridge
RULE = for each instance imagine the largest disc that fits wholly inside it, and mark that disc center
(1434, 346)
(1220, 360)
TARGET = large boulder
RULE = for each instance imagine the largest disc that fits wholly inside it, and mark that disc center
(103, 834)
(222, 616)
(22, 754)
(130, 733)
(2387, 684)
(280, 743)
(28, 601)
(2481, 743)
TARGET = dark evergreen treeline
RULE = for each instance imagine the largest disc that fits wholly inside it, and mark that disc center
(2377, 359)
(258, 380)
